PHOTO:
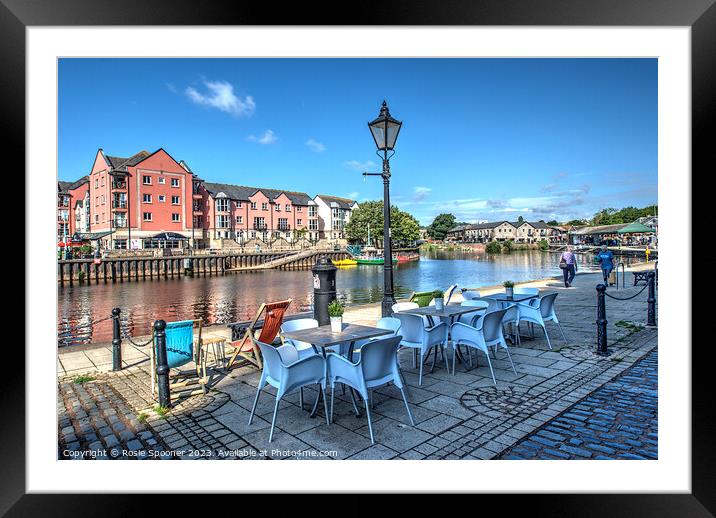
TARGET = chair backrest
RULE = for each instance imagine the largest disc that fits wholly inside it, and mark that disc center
(470, 318)
(492, 325)
(378, 358)
(274, 312)
(272, 360)
(512, 313)
(449, 293)
(390, 323)
(180, 342)
(525, 291)
(299, 324)
(411, 327)
(492, 304)
(470, 294)
(402, 306)
(546, 304)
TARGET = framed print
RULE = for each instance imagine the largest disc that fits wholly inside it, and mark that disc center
(234, 283)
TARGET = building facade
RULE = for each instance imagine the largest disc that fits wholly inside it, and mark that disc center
(518, 231)
(334, 213)
(151, 200)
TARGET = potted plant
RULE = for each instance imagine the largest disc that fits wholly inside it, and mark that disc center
(509, 288)
(335, 311)
(438, 298)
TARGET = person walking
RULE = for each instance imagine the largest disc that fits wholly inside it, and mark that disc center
(606, 260)
(568, 263)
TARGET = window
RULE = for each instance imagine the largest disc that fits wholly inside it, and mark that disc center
(299, 209)
(283, 224)
(264, 206)
(253, 205)
(313, 224)
(162, 198)
(222, 222)
(161, 180)
(239, 220)
(312, 211)
(175, 217)
(147, 198)
(120, 244)
(299, 222)
(102, 199)
(96, 183)
(147, 180)
(278, 207)
(238, 205)
(101, 181)
(96, 218)
(147, 216)
(175, 200)
(175, 182)
(222, 205)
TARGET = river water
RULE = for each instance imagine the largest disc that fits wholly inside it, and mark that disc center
(237, 296)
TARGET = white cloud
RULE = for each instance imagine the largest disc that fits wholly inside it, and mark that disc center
(220, 95)
(172, 88)
(421, 193)
(316, 146)
(352, 195)
(360, 166)
(269, 137)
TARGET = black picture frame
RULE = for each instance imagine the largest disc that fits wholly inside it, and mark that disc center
(700, 15)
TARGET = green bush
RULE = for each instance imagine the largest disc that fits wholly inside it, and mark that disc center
(544, 244)
(493, 247)
(507, 246)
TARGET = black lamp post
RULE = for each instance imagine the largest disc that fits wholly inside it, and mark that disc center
(385, 131)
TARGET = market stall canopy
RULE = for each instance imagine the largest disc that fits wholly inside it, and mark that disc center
(636, 228)
(602, 229)
(170, 236)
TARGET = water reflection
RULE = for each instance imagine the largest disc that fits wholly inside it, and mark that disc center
(234, 297)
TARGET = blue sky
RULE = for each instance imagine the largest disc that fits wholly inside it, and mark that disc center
(482, 138)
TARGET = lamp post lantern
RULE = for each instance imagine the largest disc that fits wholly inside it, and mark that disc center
(384, 130)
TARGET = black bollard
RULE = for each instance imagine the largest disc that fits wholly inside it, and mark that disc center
(324, 289)
(116, 341)
(162, 366)
(601, 321)
(651, 300)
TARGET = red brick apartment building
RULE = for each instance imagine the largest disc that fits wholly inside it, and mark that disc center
(151, 200)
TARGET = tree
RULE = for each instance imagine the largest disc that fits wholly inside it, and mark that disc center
(441, 224)
(553, 223)
(405, 229)
(520, 219)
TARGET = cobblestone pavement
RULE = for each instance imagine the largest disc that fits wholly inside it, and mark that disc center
(461, 416)
(617, 421)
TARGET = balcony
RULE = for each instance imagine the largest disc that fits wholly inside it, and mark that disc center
(119, 223)
(119, 204)
(117, 185)
(260, 226)
(283, 228)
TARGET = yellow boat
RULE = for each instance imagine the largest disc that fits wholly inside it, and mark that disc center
(345, 262)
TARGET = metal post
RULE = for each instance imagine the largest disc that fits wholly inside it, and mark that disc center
(388, 298)
(601, 321)
(324, 289)
(116, 341)
(162, 366)
(651, 300)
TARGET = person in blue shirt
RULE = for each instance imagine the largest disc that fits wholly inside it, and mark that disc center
(606, 261)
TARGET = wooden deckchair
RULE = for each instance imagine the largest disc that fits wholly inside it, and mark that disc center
(246, 347)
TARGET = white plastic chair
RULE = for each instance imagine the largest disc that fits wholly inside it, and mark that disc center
(540, 311)
(422, 339)
(480, 306)
(488, 332)
(283, 370)
(303, 348)
(470, 295)
(512, 317)
(378, 365)
(404, 306)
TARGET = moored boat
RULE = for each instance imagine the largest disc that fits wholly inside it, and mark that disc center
(345, 262)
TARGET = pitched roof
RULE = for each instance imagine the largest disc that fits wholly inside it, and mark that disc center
(63, 186)
(120, 164)
(343, 203)
(74, 185)
(242, 192)
(601, 229)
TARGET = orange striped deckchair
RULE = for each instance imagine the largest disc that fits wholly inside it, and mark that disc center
(246, 347)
